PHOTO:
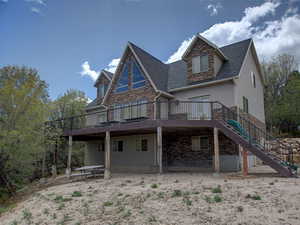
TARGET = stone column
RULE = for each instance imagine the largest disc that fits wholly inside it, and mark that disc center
(159, 148)
(107, 174)
(68, 171)
(216, 150)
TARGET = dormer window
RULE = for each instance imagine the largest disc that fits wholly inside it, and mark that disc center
(102, 90)
(200, 64)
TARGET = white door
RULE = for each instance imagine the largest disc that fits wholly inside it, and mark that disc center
(200, 108)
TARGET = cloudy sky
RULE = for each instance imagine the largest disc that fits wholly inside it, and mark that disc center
(70, 41)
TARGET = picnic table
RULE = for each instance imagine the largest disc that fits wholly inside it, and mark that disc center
(89, 170)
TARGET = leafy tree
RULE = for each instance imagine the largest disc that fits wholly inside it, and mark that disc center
(276, 75)
(23, 108)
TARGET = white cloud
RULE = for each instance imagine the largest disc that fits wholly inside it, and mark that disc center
(112, 66)
(35, 10)
(177, 55)
(214, 8)
(270, 37)
(41, 2)
(87, 71)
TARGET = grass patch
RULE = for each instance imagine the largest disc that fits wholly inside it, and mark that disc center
(6, 208)
(61, 206)
(187, 201)
(217, 198)
(217, 189)
(254, 197)
(154, 186)
(176, 193)
(108, 203)
(160, 195)
(27, 215)
(76, 194)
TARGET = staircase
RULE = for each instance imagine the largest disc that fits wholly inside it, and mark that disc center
(257, 141)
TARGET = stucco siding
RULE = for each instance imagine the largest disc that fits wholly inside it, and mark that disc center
(223, 93)
(92, 154)
(245, 88)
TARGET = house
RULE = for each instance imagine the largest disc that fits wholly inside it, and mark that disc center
(196, 114)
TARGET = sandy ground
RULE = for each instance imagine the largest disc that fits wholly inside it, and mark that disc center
(173, 198)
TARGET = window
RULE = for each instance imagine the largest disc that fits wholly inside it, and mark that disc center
(102, 117)
(245, 105)
(118, 146)
(200, 143)
(122, 84)
(141, 144)
(101, 147)
(102, 90)
(200, 64)
(253, 79)
(138, 80)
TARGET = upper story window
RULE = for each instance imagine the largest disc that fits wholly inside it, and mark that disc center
(245, 105)
(200, 63)
(102, 90)
(122, 84)
(253, 79)
(138, 80)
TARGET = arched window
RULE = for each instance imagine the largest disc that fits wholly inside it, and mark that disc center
(138, 79)
(122, 84)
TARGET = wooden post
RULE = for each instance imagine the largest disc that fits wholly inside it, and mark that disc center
(216, 151)
(107, 155)
(245, 162)
(159, 148)
(68, 172)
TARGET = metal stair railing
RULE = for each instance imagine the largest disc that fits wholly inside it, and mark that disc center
(258, 137)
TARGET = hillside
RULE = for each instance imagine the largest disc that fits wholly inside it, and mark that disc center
(175, 198)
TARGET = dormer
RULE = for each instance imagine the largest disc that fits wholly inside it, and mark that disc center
(102, 83)
(203, 59)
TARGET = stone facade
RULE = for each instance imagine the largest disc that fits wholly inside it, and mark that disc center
(200, 48)
(177, 149)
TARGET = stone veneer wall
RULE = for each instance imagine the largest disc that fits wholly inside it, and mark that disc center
(200, 48)
(177, 149)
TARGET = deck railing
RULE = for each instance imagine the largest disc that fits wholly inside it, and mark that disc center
(180, 110)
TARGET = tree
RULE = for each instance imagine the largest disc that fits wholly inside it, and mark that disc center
(62, 110)
(23, 108)
(276, 75)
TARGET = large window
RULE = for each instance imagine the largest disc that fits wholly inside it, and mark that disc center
(118, 146)
(142, 144)
(122, 84)
(138, 79)
(200, 143)
(102, 90)
(200, 63)
(245, 105)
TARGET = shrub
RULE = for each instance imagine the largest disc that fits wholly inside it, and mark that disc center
(217, 198)
(177, 193)
(154, 186)
(76, 194)
(217, 189)
(108, 203)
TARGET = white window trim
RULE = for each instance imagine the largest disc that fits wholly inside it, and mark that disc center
(199, 139)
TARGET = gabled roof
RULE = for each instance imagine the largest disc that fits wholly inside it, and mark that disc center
(157, 70)
(199, 37)
(105, 73)
(235, 53)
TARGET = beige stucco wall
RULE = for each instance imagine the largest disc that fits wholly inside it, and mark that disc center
(129, 158)
(245, 88)
(222, 92)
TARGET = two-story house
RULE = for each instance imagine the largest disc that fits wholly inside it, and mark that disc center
(193, 114)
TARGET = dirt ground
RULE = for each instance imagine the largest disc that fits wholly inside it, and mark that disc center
(169, 199)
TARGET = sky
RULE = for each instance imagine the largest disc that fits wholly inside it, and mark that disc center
(70, 41)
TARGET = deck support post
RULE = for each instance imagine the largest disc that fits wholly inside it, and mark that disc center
(245, 161)
(216, 150)
(159, 148)
(68, 171)
(107, 174)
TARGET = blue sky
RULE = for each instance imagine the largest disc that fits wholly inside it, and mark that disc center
(68, 42)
